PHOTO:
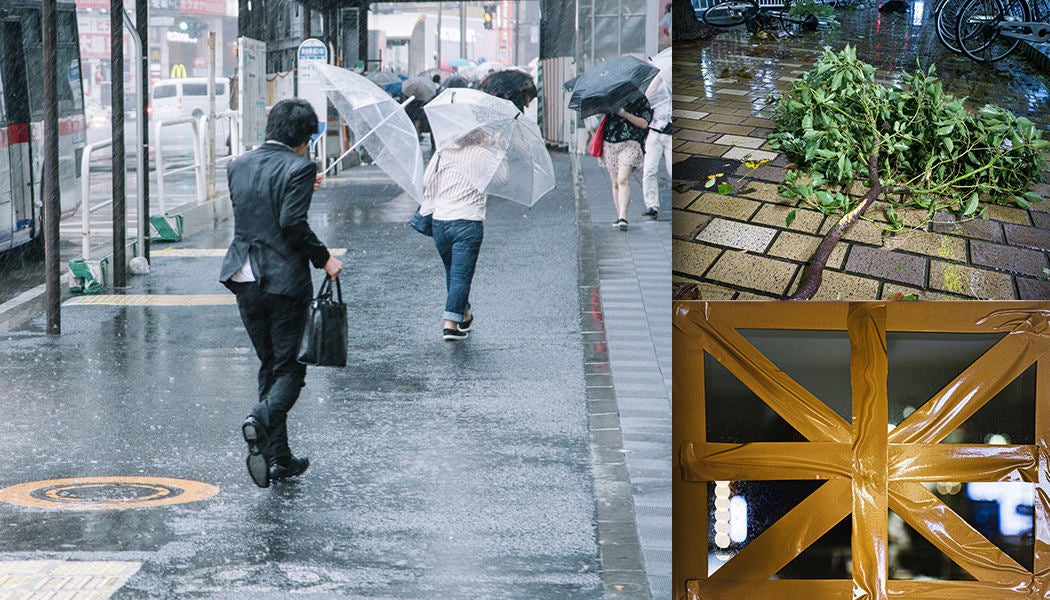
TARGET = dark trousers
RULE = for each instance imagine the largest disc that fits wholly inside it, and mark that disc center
(275, 324)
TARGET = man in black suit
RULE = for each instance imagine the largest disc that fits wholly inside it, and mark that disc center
(268, 267)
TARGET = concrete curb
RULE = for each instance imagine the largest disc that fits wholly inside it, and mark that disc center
(619, 546)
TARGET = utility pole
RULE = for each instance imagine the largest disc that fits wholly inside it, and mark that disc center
(142, 26)
(116, 59)
(52, 199)
(462, 30)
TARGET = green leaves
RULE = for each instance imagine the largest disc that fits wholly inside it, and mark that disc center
(930, 151)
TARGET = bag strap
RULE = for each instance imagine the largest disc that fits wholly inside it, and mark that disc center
(338, 290)
(325, 291)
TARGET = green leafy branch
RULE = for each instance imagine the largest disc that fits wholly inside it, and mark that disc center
(915, 145)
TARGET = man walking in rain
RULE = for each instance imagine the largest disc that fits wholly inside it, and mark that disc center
(268, 267)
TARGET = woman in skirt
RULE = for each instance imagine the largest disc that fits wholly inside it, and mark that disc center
(622, 142)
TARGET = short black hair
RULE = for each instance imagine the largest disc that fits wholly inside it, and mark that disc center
(291, 121)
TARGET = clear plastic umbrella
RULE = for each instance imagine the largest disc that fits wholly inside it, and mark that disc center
(379, 124)
(516, 165)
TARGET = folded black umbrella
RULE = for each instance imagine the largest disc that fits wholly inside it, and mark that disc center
(609, 86)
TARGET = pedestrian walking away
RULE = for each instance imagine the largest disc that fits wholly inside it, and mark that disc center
(658, 140)
(457, 207)
(623, 139)
(267, 266)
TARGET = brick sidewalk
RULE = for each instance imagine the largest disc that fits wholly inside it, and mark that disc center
(738, 246)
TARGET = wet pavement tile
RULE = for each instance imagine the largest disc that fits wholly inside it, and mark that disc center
(722, 113)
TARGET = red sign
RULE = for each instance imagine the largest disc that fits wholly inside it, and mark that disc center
(203, 7)
(93, 4)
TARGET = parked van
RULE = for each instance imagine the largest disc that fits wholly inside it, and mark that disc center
(188, 97)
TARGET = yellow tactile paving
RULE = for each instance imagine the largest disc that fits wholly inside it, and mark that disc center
(152, 300)
(75, 580)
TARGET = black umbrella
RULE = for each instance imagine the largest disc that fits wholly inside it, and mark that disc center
(609, 86)
(454, 81)
(510, 84)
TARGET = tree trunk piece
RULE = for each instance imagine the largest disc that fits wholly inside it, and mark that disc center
(814, 274)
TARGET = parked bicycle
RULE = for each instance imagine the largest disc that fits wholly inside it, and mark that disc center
(733, 13)
(991, 30)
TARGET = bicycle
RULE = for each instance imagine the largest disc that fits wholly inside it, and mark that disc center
(991, 30)
(733, 13)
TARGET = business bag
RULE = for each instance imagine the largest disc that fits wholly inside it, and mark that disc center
(324, 337)
(422, 223)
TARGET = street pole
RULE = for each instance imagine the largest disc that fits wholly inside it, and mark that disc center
(462, 31)
(52, 197)
(142, 26)
(116, 59)
(441, 11)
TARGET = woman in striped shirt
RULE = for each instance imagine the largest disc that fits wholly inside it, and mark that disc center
(451, 195)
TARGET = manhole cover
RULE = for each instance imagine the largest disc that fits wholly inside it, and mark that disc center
(101, 493)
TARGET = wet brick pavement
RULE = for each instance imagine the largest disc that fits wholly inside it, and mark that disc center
(738, 247)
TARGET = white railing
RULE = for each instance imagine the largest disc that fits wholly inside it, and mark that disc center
(85, 195)
(197, 165)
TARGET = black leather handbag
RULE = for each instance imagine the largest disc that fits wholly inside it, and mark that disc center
(324, 337)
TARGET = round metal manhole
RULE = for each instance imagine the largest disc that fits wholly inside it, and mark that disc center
(102, 493)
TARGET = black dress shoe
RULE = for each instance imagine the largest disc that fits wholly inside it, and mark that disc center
(294, 468)
(258, 466)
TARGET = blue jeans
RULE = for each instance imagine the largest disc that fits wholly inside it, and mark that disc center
(458, 242)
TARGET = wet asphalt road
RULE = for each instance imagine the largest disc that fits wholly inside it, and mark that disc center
(439, 470)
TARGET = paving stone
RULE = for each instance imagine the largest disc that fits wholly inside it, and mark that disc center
(692, 258)
(715, 117)
(766, 192)
(752, 271)
(684, 199)
(696, 136)
(735, 234)
(724, 206)
(1041, 219)
(1008, 214)
(686, 223)
(862, 231)
(739, 153)
(739, 140)
(974, 228)
(733, 129)
(800, 248)
(886, 264)
(688, 114)
(702, 149)
(1030, 237)
(930, 244)
(843, 286)
(1008, 258)
(1033, 289)
(775, 214)
(971, 282)
(890, 288)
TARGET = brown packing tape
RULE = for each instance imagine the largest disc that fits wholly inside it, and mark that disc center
(871, 468)
(866, 324)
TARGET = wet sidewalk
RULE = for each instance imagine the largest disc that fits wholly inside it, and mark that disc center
(738, 246)
(439, 470)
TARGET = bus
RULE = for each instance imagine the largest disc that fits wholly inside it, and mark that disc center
(22, 119)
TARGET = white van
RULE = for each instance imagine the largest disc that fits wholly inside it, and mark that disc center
(188, 97)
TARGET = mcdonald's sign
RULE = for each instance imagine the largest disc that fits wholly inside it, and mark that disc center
(178, 71)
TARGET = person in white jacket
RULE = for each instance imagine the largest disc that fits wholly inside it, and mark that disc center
(657, 145)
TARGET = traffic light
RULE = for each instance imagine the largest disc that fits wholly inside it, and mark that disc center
(190, 27)
(489, 16)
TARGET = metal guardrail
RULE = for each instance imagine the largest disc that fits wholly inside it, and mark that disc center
(85, 195)
(198, 162)
(198, 166)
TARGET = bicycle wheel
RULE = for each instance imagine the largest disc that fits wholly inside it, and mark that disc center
(979, 28)
(730, 13)
(947, 16)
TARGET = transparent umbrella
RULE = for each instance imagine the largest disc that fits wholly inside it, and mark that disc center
(379, 124)
(516, 164)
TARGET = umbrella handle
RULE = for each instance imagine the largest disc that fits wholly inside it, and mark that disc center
(365, 136)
